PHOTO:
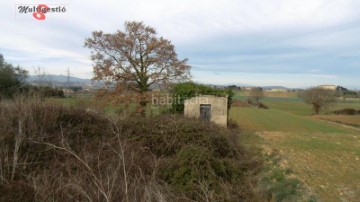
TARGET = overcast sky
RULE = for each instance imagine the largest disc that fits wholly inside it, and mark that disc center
(293, 43)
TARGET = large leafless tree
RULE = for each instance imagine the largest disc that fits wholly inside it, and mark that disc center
(256, 94)
(319, 98)
(137, 57)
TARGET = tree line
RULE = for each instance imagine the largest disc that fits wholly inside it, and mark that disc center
(13, 83)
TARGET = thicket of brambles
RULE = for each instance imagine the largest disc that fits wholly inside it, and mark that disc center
(54, 153)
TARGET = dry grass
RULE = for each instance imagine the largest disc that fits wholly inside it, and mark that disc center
(57, 153)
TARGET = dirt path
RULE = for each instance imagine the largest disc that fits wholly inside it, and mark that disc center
(339, 124)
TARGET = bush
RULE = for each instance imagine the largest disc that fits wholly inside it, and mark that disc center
(232, 124)
(347, 111)
(55, 153)
(195, 156)
(187, 90)
(52, 153)
(262, 106)
(166, 135)
(238, 103)
(41, 91)
(259, 105)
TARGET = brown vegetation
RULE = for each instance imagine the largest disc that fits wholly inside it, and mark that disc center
(256, 94)
(53, 153)
(239, 103)
(136, 58)
(347, 111)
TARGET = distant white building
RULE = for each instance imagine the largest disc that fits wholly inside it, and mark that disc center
(67, 91)
(328, 87)
(248, 88)
(277, 90)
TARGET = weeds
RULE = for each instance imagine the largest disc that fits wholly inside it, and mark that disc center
(57, 153)
(63, 154)
(279, 183)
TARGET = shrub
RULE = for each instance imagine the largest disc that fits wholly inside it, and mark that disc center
(262, 106)
(166, 135)
(278, 183)
(194, 156)
(187, 90)
(259, 105)
(52, 153)
(232, 124)
(55, 153)
(238, 103)
(347, 111)
(41, 91)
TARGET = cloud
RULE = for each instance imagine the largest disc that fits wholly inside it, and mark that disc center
(323, 76)
(273, 37)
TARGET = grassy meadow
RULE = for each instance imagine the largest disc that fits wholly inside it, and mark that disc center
(322, 151)
(342, 119)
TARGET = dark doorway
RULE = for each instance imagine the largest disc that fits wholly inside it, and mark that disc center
(205, 112)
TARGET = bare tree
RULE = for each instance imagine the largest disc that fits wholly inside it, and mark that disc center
(42, 78)
(137, 57)
(319, 98)
(256, 94)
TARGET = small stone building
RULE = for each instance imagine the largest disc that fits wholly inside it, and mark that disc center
(208, 108)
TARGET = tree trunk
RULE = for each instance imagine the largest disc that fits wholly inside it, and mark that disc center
(317, 108)
(143, 102)
(142, 108)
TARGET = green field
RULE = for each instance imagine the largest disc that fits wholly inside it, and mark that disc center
(323, 155)
(251, 119)
(342, 119)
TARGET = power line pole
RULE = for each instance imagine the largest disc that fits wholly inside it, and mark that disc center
(68, 77)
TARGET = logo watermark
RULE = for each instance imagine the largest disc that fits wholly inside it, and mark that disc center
(40, 11)
(169, 99)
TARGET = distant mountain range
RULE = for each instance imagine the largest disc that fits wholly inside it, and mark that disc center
(58, 79)
(274, 87)
(63, 79)
(263, 87)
